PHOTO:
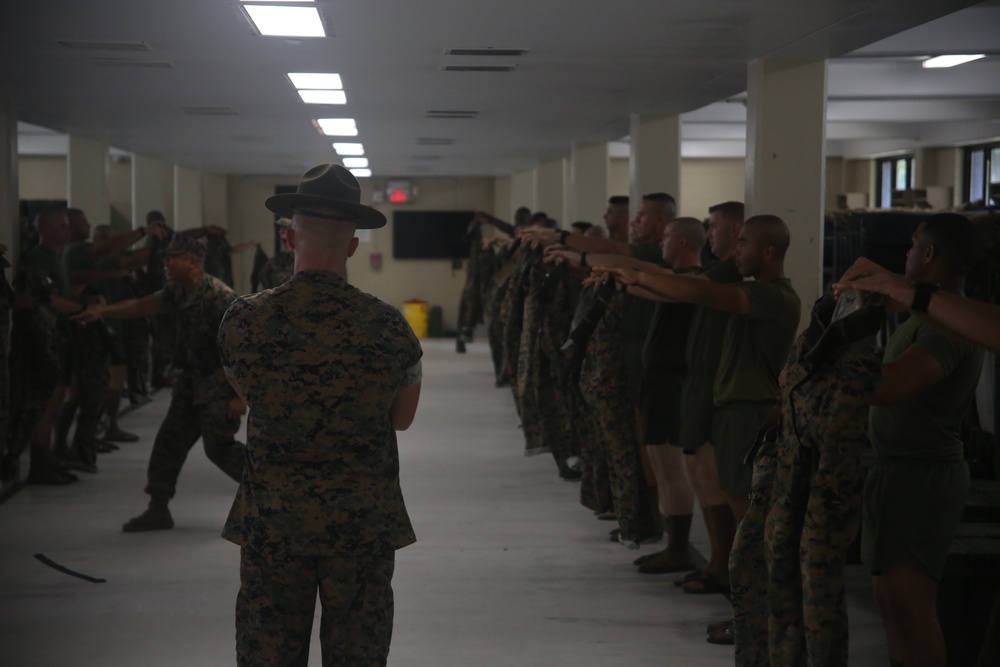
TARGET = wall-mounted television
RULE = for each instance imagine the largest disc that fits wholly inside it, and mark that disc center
(431, 234)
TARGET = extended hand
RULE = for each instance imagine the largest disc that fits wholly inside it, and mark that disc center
(88, 315)
(236, 408)
(539, 236)
(620, 275)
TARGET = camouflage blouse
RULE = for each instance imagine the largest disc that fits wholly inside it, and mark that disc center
(319, 363)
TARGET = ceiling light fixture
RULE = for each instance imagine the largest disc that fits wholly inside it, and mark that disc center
(338, 127)
(316, 80)
(355, 162)
(323, 96)
(361, 173)
(349, 149)
(951, 61)
(285, 21)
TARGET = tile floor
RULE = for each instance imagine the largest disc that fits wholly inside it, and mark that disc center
(509, 570)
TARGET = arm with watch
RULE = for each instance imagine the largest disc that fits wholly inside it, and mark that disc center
(952, 314)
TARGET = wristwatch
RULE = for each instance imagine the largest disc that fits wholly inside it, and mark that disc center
(922, 296)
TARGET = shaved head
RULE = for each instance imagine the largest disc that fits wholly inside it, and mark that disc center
(770, 230)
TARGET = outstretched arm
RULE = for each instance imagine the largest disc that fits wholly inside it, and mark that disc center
(683, 288)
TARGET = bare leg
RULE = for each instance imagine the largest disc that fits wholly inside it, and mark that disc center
(906, 598)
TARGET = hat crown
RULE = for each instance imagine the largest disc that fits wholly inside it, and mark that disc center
(182, 245)
(331, 181)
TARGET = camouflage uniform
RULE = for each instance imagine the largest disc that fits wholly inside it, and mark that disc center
(277, 270)
(163, 325)
(787, 564)
(470, 307)
(6, 301)
(528, 372)
(320, 506)
(595, 487)
(40, 336)
(201, 393)
(555, 389)
(512, 320)
(605, 388)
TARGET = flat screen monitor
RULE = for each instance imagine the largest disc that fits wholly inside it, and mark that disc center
(431, 234)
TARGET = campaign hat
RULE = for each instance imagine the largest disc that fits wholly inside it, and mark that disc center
(184, 245)
(331, 186)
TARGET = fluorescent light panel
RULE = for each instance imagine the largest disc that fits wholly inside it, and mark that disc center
(278, 21)
(361, 173)
(338, 127)
(271, 2)
(355, 162)
(316, 80)
(349, 149)
(323, 96)
(951, 61)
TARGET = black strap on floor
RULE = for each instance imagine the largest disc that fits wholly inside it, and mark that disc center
(65, 570)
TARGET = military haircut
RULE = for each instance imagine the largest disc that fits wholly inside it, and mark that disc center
(522, 215)
(582, 226)
(730, 210)
(155, 216)
(772, 231)
(664, 202)
(618, 200)
(46, 217)
(691, 229)
(955, 238)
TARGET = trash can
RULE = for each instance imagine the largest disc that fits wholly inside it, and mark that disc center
(416, 313)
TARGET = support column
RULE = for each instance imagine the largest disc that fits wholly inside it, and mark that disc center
(589, 181)
(147, 188)
(9, 190)
(187, 198)
(523, 190)
(655, 157)
(553, 182)
(87, 178)
(786, 161)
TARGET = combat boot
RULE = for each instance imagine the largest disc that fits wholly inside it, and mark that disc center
(156, 517)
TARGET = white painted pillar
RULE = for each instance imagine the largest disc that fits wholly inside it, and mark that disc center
(553, 182)
(589, 182)
(655, 157)
(502, 200)
(9, 189)
(147, 188)
(87, 178)
(785, 164)
(187, 198)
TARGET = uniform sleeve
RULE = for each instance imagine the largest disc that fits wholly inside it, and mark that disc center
(947, 351)
(168, 297)
(231, 336)
(410, 354)
(767, 301)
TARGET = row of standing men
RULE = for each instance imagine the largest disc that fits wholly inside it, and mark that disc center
(671, 383)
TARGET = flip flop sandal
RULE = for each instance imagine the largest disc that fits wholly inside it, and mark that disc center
(694, 575)
(706, 585)
(724, 637)
(718, 627)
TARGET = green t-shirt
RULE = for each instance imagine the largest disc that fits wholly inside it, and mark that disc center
(927, 427)
(79, 257)
(756, 345)
(47, 264)
(666, 339)
(708, 326)
(637, 315)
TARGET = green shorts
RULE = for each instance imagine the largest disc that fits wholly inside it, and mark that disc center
(734, 430)
(659, 408)
(910, 511)
(697, 409)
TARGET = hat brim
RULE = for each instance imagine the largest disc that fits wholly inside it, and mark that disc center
(365, 217)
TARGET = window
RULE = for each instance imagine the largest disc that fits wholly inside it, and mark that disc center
(982, 174)
(892, 175)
